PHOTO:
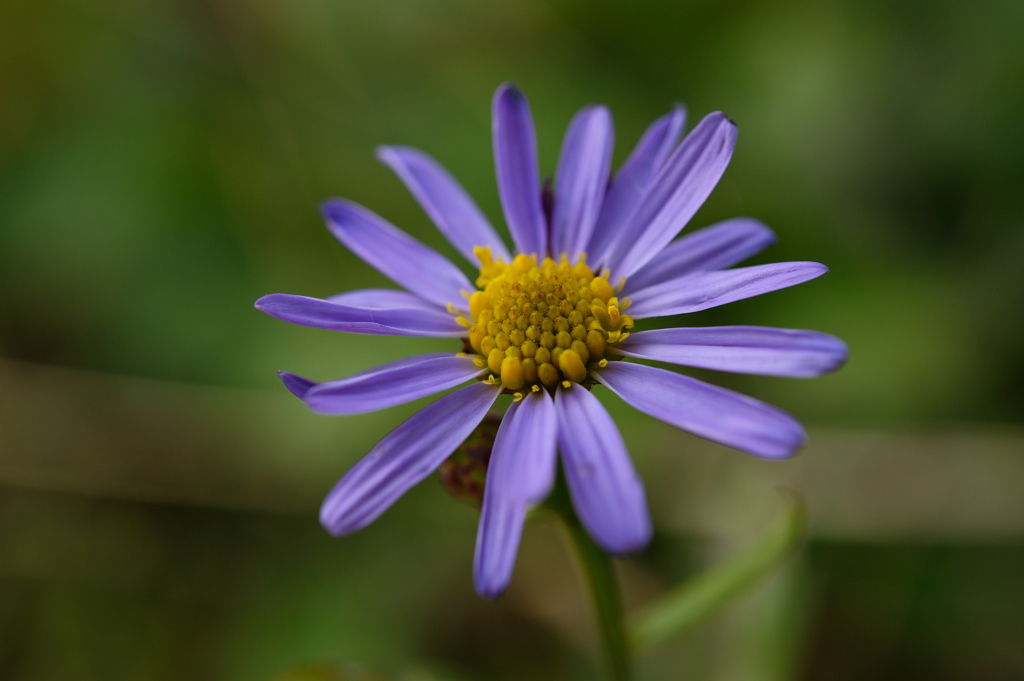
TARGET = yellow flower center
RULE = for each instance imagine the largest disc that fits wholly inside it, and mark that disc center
(536, 325)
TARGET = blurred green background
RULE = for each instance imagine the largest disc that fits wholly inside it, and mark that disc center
(161, 165)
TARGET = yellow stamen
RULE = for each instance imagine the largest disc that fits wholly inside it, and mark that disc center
(596, 343)
(601, 288)
(522, 263)
(486, 345)
(512, 373)
(476, 336)
(572, 366)
(580, 348)
(529, 370)
(478, 303)
(494, 361)
(541, 322)
(548, 375)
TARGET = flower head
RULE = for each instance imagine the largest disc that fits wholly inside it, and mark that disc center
(551, 321)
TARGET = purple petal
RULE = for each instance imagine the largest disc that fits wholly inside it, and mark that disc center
(382, 299)
(703, 290)
(521, 472)
(705, 410)
(581, 180)
(743, 349)
(374, 311)
(445, 201)
(385, 386)
(677, 192)
(405, 456)
(713, 248)
(515, 160)
(606, 492)
(297, 385)
(405, 260)
(632, 180)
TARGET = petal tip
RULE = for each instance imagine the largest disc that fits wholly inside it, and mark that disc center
(754, 225)
(632, 545)
(601, 110)
(676, 120)
(329, 521)
(267, 304)
(510, 90)
(393, 155)
(841, 357)
(786, 450)
(333, 210)
(815, 269)
(297, 385)
(489, 588)
(792, 452)
(331, 530)
(725, 127)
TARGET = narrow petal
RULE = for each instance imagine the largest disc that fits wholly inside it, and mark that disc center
(404, 457)
(676, 193)
(713, 248)
(447, 203)
(373, 311)
(706, 410)
(632, 181)
(527, 437)
(743, 349)
(703, 290)
(408, 263)
(521, 472)
(497, 544)
(581, 180)
(515, 160)
(385, 386)
(608, 496)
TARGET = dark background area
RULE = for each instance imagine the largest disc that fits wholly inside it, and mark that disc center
(161, 166)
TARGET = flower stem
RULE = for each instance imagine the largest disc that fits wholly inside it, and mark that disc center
(596, 570)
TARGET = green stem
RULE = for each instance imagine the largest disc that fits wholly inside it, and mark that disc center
(693, 602)
(596, 569)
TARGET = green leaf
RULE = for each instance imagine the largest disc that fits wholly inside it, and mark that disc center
(691, 603)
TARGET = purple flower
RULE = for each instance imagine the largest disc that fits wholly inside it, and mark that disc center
(542, 326)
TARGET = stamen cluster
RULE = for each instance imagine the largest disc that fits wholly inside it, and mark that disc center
(538, 325)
